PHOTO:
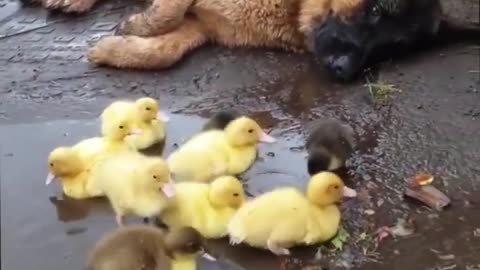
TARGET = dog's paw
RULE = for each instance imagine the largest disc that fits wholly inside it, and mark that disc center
(104, 50)
(69, 6)
(53, 4)
(135, 25)
(114, 51)
(77, 6)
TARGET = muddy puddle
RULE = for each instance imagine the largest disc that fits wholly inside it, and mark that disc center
(41, 229)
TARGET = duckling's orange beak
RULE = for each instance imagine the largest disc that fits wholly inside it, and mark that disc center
(135, 131)
(348, 192)
(50, 178)
(169, 189)
(162, 116)
(264, 137)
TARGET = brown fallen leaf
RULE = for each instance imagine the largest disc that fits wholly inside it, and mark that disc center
(430, 196)
(420, 179)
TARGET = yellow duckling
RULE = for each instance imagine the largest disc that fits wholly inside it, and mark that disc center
(146, 247)
(151, 121)
(134, 184)
(285, 217)
(118, 123)
(65, 164)
(71, 164)
(205, 207)
(213, 153)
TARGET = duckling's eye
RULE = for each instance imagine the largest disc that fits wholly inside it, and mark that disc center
(120, 127)
(154, 177)
(250, 130)
(148, 108)
(235, 194)
(51, 164)
(336, 187)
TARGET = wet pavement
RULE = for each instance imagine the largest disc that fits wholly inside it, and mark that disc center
(51, 96)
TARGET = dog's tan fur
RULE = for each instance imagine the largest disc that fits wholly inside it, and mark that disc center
(168, 29)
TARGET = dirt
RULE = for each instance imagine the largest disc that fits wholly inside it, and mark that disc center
(51, 96)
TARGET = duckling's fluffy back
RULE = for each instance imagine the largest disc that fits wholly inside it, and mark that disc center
(208, 155)
(132, 247)
(191, 207)
(279, 213)
(201, 158)
(127, 186)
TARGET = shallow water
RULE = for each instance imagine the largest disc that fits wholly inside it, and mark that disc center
(37, 220)
(56, 232)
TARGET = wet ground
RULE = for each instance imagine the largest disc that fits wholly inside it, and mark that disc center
(51, 96)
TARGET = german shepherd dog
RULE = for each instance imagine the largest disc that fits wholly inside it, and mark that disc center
(342, 35)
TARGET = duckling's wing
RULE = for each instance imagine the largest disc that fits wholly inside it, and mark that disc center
(199, 159)
(273, 213)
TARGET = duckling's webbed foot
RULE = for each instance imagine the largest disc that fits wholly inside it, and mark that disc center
(235, 241)
(276, 249)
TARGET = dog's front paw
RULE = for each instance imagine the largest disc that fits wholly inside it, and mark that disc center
(105, 50)
(77, 6)
(115, 51)
(69, 6)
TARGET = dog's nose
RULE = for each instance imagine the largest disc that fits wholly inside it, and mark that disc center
(339, 66)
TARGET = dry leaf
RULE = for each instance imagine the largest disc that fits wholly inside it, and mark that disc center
(421, 179)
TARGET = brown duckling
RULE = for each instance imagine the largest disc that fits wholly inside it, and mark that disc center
(329, 144)
(220, 120)
(147, 247)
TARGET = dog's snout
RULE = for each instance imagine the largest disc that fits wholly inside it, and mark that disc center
(338, 66)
